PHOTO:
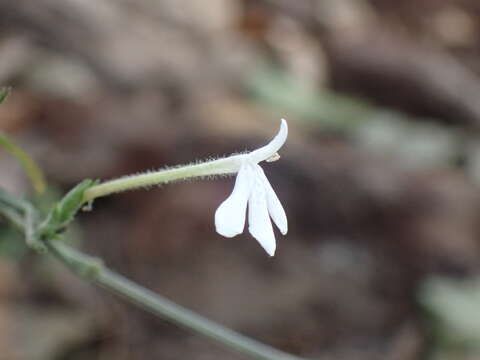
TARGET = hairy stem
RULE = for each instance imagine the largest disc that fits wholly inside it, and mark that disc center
(209, 168)
(93, 270)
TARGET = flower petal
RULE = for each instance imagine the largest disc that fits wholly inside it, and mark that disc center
(259, 223)
(230, 215)
(272, 147)
(274, 205)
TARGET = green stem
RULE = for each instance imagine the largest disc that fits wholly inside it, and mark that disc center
(13, 217)
(93, 270)
(31, 168)
(22, 215)
(215, 167)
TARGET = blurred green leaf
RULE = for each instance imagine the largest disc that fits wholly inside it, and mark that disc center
(4, 92)
(274, 88)
(454, 308)
(33, 171)
(31, 168)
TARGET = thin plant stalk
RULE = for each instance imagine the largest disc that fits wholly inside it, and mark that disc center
(45, 237)
(209, 168)
(31, 168)
(93, 270)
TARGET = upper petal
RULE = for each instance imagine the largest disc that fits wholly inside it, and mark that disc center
(274, 205)
(230, 215)
(259, 223)
(272, 147)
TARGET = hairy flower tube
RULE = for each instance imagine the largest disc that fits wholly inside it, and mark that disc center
(253, 189)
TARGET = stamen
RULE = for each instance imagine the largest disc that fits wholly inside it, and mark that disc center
(273, 158)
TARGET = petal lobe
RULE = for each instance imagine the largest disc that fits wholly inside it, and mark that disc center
(275, 208)
(259, 222)
(230, 215)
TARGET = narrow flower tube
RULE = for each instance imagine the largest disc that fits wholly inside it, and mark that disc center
(252, 190)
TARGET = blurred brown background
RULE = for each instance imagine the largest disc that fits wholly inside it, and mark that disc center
(379, 177)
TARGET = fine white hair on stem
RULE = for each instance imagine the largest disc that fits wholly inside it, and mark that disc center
(252, 190)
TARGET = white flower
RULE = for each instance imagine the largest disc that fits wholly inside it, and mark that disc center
(252, 188)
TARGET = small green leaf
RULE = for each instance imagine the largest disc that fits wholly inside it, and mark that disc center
(4, 92)
(64, 211)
